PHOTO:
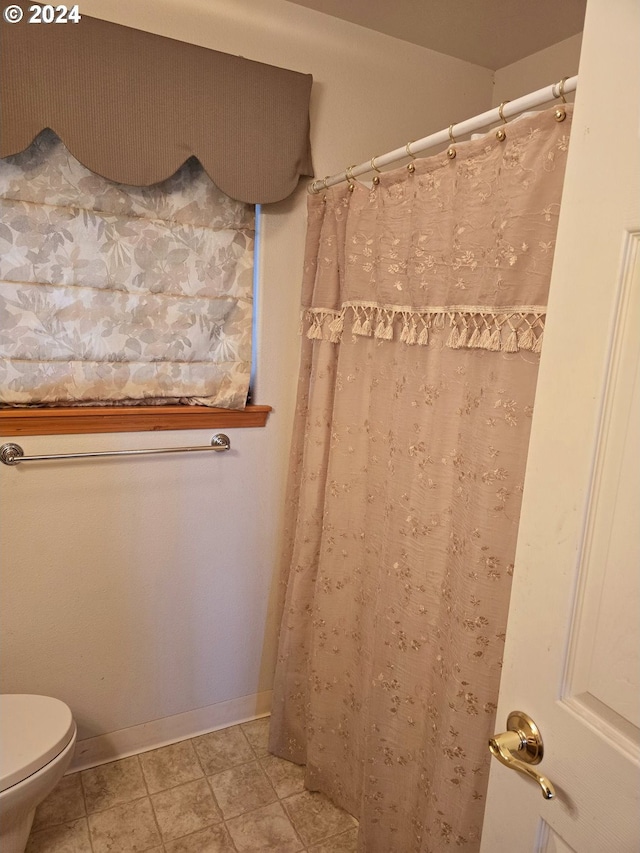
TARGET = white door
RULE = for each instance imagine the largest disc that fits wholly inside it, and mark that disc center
(572, 654)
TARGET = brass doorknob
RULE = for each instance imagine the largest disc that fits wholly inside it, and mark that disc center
(520, 747)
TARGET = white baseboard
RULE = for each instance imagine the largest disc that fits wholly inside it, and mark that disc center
(156, 733)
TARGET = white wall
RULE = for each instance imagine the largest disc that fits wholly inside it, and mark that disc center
(138, 591)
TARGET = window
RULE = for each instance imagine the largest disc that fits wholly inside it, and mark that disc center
(132, 106)
(120, 296)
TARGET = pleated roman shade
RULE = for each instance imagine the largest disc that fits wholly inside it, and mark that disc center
(133, 107)
(119, 295)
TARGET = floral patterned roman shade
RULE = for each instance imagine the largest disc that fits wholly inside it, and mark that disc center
(111, 294)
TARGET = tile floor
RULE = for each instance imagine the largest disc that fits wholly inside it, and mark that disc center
(218, 793)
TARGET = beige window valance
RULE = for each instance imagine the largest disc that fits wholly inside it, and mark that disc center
(133, 107)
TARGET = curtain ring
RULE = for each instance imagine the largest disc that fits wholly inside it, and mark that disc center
(560, 113)
(411, 167)
(349, 176)
(500, 132)
(561, 89)
(316, 185)
(375, 180)
(451, 151)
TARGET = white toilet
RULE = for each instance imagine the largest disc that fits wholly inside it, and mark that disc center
(37, 738)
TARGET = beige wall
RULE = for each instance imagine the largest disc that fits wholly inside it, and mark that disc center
(538, 70)
(138, 591)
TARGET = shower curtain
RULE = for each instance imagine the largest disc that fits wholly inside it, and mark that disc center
(424, 307)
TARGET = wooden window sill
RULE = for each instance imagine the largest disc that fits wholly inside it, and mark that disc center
(63, 421)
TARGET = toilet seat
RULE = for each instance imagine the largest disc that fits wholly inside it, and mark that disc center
(33, 731)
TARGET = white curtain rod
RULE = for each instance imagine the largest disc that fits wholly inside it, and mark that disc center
(506, 110)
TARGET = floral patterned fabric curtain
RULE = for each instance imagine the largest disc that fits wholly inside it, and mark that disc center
(112, 295)
(424, 309)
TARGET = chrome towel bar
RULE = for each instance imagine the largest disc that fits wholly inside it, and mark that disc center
(13, 454)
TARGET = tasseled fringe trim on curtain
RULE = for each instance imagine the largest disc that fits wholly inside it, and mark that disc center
(508, 329)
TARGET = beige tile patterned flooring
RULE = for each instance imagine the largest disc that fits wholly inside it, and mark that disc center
(218, 793)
